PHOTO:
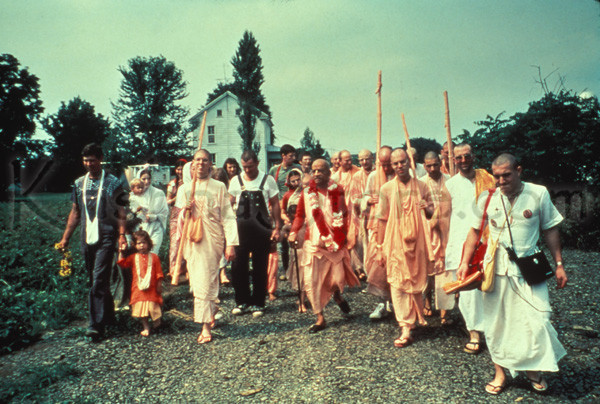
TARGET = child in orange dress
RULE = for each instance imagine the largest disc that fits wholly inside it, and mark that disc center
(146, 286)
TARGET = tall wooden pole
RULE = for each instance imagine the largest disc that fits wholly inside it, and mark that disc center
(449, 137)
(378, 92)
(424, 221)
(188, 213)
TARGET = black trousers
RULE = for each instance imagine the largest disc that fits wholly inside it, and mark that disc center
(98, 260)
(255, 240)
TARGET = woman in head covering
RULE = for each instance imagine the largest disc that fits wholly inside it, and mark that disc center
(151, 207)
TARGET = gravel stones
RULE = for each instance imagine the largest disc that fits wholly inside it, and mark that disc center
(274, 359)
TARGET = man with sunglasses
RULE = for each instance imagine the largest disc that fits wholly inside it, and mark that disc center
(464, 188)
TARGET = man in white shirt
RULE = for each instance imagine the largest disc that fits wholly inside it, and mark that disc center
(252, 193)
(517, 324)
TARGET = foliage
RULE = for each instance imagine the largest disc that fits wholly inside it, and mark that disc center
(33, 296)
(557, 138)
(424, 145)
(312, 145)
(581, 226)
(20, 106)
(72, 127)
(150, 122)
(248, 78)
(33, 379)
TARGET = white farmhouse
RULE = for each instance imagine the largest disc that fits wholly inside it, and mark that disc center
(221, 136)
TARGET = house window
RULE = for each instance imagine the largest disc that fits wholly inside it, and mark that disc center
(238, 112)
(211, 130)
(219, 113)
(213, 157)
(211, 138)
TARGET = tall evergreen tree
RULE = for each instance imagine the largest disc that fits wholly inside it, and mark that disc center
(248, 78)
(72, 127)
(312, 145)
(149, 120)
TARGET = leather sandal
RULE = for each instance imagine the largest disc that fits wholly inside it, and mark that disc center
(402, 342)
(473, 351)
(540, 385)
(317, 327)
(493, 389)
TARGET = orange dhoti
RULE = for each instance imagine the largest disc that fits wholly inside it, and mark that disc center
(408, 261)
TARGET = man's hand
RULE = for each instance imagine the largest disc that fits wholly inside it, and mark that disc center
(230, 253)
(275, 234)
(379, 258)
(292, 239)
(374, 200)
(63, 243)
(462, 271)
(561, 277)
(122, 242)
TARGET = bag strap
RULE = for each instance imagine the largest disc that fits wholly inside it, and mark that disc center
(277, 172)
(512, 243)
(487, 203)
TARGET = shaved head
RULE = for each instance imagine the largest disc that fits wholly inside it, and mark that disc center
(385, 159)
(321, 173)
(364, 153)
(430, 155)
(505, 158)
(345, 160)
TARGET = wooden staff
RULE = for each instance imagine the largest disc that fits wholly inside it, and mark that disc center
(188, 213)
(378, 92)
(424, 221)
(449, 137)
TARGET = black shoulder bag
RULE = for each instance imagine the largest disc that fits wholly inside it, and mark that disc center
(534, 268)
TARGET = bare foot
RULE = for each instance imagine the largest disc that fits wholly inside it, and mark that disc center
(272, 296)
(145, 333)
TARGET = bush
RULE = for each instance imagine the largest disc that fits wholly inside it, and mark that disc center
(33, 296)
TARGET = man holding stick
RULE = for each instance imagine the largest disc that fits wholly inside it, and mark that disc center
(325, 260)
(464, 188)
(440, 225)
(97, 205)
(376, 273)
(212, 230)
(402, 244)
(517, 324)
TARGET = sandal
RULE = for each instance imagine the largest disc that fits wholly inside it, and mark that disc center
(540, 385)
(204, 339)
(145, 333)
(472, 351)
(427, 312)
(447, 321)
(493, 389)
(402, 342)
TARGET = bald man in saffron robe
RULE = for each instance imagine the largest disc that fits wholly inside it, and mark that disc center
(439, 225)
(403, 237)
(326, 261)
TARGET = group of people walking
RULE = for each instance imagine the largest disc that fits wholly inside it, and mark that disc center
(406, 229)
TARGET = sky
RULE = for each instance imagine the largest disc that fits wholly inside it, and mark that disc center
(320, 58)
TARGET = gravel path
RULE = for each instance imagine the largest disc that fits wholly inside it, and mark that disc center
(274, 358)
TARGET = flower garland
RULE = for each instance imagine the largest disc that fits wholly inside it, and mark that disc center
(66, 263)
(334, 241)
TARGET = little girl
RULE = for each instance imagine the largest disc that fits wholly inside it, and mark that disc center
(146, 287)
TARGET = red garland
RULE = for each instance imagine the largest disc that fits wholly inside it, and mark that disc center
(335, 194)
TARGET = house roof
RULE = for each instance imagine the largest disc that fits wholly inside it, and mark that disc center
(214, 102)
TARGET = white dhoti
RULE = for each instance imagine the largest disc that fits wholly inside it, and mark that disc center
(470, 306)
(444, 301)
(517, 326)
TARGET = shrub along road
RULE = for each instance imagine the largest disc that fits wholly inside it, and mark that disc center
(273, 358)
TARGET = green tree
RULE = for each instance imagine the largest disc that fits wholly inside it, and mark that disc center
(149, 119)
(424, 145)
(309, 143)
(557, 139)
(248, 78)
(71, 128)
(20, 107)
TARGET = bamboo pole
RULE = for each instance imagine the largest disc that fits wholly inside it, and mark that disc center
(451, 167)
(424, 221)
(188, 213)
(378, 92)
